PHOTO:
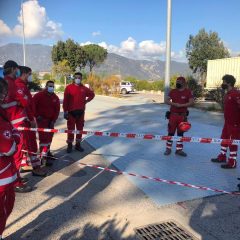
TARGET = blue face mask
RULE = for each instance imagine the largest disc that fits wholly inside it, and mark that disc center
(18, 73)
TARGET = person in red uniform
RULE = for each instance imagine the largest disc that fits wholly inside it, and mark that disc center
(16, 115)
(179, 99)
(29, 137)
(231, 128)
(76, 96)
(8, 172)
(47, 108)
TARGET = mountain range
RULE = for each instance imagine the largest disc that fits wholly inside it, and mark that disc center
(38, 57)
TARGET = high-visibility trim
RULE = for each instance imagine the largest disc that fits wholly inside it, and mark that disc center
(8, 105)
(11, 151)
(4, 169)
(18, 120)
(8, 180)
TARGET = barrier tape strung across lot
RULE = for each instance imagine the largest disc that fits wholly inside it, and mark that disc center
(136, 135)
(148, 178)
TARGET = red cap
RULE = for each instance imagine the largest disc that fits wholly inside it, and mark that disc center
(184, 126)
(181, 79)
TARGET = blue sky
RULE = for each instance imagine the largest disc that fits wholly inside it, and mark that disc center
(133, 28)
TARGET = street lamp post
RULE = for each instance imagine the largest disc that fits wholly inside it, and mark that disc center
(23, 32)
(168, 50)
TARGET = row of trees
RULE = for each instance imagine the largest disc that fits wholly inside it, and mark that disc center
(69, 57)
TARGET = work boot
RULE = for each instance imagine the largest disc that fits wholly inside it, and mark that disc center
(21, 188)
(220, 158)
(180, 153)
(78, 147)
(27, 168)
(232, 163)
(69, 148)
(167, 152)
(39, 172)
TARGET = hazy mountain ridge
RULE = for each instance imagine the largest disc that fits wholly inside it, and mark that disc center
(38, 57)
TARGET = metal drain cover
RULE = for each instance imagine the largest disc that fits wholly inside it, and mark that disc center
(163, 231)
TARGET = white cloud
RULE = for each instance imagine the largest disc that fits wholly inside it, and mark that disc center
(128, 45)
(150, 48)
(147, 50)
(36, 23)
(4, 29)
(98, 33)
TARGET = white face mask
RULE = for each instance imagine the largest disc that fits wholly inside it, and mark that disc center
(77, 80)
(29, 78)
(50, 89)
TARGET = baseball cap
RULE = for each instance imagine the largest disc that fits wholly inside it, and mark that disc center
(181, 79)
(10, 64)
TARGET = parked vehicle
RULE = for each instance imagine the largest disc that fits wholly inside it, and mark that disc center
(126, 87)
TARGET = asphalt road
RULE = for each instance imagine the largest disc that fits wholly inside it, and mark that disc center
(77, 202)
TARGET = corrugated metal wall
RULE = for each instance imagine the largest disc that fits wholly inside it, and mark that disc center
(219, 67)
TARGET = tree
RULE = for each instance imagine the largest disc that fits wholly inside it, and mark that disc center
(95, 55)
(203, 47)
(80, 58)
(70, 51)
(58, 52)
(62, 69)
(47, 76)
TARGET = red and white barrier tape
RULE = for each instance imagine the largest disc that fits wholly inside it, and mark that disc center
(149, 178)
(136, 135)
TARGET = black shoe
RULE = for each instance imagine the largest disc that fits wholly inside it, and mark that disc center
(78, 147)
(39, 172)
(180, 153)
(23, 189)
(49, 162)
(167, 152)
(228, 166)
(69, 148)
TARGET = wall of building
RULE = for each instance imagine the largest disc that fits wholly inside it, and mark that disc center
(216, 69)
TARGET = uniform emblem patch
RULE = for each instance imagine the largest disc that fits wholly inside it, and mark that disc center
(7, 134)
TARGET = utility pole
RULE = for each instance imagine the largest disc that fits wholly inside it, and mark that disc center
(23, 32)
(168, 49)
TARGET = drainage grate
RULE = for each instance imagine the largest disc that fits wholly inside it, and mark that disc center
(163, 231)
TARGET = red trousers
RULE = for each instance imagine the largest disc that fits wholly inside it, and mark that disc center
(28, 142)
(71, 124)
(173, 124)
(7, 199)
(174, 121)
(231, 132)
(45, 138)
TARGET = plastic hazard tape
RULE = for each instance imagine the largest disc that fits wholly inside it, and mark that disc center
(137, 136)
(182, 184)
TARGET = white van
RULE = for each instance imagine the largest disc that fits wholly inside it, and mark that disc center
(126, 87)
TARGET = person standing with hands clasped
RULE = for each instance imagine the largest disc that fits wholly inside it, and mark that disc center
(76, 95)
(47, 108)
(179, 99)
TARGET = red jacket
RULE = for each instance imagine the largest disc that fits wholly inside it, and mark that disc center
(232, 107)
(46, 105)
(24, 97)
(15, 113)
(76, 97)
(180, 97)
(8, 172)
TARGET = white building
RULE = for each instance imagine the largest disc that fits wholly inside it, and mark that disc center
(217, 68)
